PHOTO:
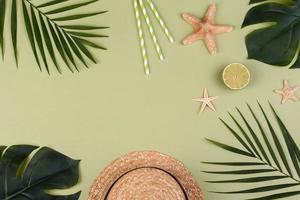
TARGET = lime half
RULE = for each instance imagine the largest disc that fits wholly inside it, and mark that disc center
(236, 76)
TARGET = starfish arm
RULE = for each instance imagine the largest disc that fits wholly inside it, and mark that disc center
(286, 84)
(278, 92)
(205, 93)
(283, 101)
(213, 98)
(192, 20)
(221, 29)
(202, 107)
(191, 39)
(295, 88)
(211, 106)
(211, 13)
(294, 98)
(210, 44)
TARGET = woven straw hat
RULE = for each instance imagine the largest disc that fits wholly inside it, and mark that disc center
(145, 175)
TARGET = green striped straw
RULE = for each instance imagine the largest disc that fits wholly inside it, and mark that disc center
(141, 37)
(151, 30)
(161, 21)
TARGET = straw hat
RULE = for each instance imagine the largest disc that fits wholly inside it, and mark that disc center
(145, 175)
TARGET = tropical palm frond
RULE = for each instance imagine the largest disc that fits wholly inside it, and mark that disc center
(269, 158)
(50, 27)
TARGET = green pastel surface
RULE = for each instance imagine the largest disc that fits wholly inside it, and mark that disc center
(113, 108)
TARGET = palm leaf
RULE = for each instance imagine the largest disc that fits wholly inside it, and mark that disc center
(48, 28)
(268, 157)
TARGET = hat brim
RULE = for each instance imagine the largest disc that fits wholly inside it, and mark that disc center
(144, 159)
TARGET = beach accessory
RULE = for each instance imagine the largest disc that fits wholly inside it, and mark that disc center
(140, 8)
(288, 92)
(278, 43)
(236, 76)
(205, 29)
(269, 158)
(206, 101)
(145, 175)
(30, 172)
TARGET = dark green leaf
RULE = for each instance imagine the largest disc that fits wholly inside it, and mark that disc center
(291, 145)
(2, 20)
(271, 151)
(229, 148)
(69, 7)
(246, 171)
(234, 163)
(59, 46)
(262, 189)
(14, 25)
(83, 27)
(79, 16)
(277, 44)
(277, 142)
(277, 196)
(66, 47)
(2, 148)
(88, 43)
(30, 33)
(81, 34)
(250, 180)
(48, 42)
(51, 3)
(257, 142)
(236, 135)
(38, 38)
(75, 49)
(84, 50)
(46, 170)
(253, 148)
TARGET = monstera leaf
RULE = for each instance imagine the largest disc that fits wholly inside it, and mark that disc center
(22, 177)
(278, 43)
(269, 166)
(49, 27)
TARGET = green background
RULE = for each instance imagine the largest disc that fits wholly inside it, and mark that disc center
(113, 108)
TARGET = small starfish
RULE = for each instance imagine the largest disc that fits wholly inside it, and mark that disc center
(205, 29)
(206, 101)
(288, 92)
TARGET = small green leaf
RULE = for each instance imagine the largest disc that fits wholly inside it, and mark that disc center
(262, 189)
(48, 42)
(248, 171)
(277, 142)
(277, 196)
(229, 148)
(2, 20)
(79, 16)
(234, 163)
(69, 7)
(14, 29)
(83, 27)
(38, 37)
(30, 33)
(250, 180)
(51, 3)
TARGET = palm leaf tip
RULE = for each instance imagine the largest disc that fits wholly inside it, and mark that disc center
(266, 164)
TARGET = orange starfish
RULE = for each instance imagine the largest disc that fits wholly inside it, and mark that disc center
(288, 92)
(205, 29)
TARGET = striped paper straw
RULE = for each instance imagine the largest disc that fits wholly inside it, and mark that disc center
(161, 21)
(141, 37)
(151, 30)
